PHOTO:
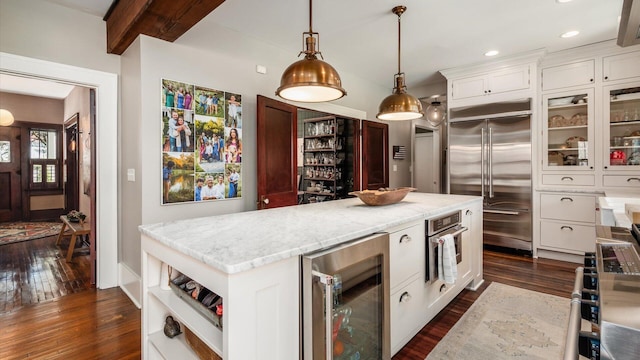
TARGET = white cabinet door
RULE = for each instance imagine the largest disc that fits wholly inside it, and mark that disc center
(567, 236)
(574, 74)
(510, 79)
(570, 207)
(623, 66)
(407, 313)
(468, 87)
(406, 254)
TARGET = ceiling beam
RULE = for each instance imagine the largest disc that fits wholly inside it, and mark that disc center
(162, 19)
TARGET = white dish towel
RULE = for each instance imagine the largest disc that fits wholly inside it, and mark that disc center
(447, 266)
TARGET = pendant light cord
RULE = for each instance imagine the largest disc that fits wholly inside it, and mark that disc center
(398, 41)
(310, 17)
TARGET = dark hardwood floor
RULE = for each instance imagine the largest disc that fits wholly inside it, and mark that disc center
(35, 271)
(105, 324)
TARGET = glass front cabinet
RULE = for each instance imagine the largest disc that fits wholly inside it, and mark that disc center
(622, 127)
(568, 131)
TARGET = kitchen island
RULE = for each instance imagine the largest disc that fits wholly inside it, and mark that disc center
(252, 260)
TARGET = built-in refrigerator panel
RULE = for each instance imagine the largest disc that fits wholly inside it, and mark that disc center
(509, 163)
(490, 156)
(465, 154)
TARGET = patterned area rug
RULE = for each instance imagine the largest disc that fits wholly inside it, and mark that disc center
(505, 323)
(12, 232)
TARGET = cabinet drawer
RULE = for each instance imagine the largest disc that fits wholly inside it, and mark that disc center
(406, 313)
(568, 207)
(566, 179)
(406, 254)
(580, 73)
(568, 236)
(629, 181)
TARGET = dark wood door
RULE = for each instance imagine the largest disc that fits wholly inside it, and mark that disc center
(277, 161)
(375, 155)
(10, 160)
(72, 183)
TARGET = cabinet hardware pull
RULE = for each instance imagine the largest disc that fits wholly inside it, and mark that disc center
(503, 212)
(566, 178)
(327, 281)
(405, 237)
(633, 179)
(405, 297)
(443, 287)
(566, 198)
(566, 227)
(468, 212)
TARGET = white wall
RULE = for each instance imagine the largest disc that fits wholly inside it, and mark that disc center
(42, 30)
(150, 60)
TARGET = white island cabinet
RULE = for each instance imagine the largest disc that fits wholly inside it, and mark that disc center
(252, 260)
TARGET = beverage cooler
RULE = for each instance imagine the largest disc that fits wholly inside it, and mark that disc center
(345, 307)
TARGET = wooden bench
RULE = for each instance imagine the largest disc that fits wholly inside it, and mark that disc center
(75, 229)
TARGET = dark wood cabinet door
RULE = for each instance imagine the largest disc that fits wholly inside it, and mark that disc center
(375, 155)
(277, 159)
(10, 195)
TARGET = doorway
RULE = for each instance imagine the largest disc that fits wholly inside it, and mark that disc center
(105, 84)
(426, 160)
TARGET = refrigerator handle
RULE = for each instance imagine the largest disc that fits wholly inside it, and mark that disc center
(490, 151)
(327, 280)
(482, 162)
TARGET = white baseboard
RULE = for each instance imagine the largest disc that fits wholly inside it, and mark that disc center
(130, 283)
(555, 255)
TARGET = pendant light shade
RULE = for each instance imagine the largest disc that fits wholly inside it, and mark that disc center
(400, 105)
(6, 117)
(435, 113)
(310, 79)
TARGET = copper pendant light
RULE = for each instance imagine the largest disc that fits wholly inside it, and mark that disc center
(400, 105)
(310, 79)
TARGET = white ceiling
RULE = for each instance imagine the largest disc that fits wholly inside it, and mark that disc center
(34, 87)
(360, 36)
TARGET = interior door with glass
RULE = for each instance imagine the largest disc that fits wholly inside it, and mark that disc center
(622, 130)
(10, 201)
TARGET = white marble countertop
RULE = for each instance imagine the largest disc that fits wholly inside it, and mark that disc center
(613, 208)
(238, 242)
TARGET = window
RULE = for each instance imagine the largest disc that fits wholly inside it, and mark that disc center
(5, 151)
(43, 159)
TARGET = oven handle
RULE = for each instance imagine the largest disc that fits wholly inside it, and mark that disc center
(573, 331)
(436, 238)
(501, 212)
(327, 280)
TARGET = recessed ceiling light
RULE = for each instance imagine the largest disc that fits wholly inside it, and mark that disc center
(491, 53)
(563, 1)
(569, 34)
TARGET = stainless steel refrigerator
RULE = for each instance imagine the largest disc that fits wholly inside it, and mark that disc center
(490, 156)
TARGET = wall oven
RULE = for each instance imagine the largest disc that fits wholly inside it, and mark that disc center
(436, 228)
(345, 306)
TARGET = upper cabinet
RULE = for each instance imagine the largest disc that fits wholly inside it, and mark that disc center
(567, 75)
(506, 80)
(568, 130)
(622, 127)
(621, 67)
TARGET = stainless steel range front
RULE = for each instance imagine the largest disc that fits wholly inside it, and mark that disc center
(607, 294)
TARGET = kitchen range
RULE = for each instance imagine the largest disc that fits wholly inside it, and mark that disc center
(607, 296)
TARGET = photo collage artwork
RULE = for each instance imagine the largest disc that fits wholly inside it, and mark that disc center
(201, 143)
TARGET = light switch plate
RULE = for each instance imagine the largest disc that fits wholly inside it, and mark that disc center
(131, 174)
